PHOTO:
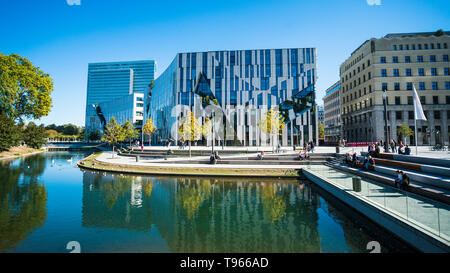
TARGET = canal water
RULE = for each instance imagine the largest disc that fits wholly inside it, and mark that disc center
(47, 202)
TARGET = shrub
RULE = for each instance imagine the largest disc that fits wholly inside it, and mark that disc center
(34, 136)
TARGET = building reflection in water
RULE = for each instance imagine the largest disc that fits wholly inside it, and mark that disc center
(23, 199)
(206, 215)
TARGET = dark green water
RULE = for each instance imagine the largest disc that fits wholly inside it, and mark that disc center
(46, 202)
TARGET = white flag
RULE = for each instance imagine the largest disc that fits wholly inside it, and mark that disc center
(418, 111)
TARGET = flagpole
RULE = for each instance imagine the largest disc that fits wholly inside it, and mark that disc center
(415, 132)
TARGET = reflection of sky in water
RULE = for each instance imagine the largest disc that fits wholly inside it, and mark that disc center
(116, 213)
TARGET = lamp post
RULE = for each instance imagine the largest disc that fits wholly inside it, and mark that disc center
(212, 129)
(385, 121)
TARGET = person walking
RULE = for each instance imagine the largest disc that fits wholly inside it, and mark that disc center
(311, 143)
(278, 148)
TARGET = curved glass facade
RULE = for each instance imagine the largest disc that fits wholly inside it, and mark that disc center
(245, 84)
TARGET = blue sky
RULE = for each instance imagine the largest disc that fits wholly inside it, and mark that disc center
(62, 39)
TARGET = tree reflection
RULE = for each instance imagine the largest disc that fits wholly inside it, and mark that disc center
(22, 200)
(273, 204)
(112, 189)
(191, 194)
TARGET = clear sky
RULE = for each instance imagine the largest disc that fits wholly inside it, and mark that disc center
(62, 37)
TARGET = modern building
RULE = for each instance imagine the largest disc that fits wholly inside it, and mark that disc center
(332, 114)
(116, 89)
(393, 64)
(239, 86)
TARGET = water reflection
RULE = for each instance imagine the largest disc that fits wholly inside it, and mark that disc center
(206, 215)
(22, 199)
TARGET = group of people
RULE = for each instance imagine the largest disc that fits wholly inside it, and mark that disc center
(400, 148)
(367, 163)
(402, 180)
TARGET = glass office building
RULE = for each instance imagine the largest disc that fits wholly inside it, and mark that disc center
(244, 84)
(113, 85)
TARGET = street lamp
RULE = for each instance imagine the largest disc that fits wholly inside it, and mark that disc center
(385, 120)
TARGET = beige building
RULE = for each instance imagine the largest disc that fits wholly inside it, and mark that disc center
(332, 114)
(395, 63)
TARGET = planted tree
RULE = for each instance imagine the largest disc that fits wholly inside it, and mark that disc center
(321, 130)
(34, 136)
(190, 129)
(404, 131)
(149, 129)
(129, 130)
(10, 133)
(113, 134)
(272, 124)
(24, 89)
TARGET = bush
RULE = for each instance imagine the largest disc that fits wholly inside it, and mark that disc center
(34, 136)
(10, 133)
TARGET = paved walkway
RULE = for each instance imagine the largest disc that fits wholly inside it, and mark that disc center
(107, 158)
(422, 150)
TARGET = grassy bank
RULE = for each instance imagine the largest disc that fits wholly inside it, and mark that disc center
(91, 163)
(18, 152)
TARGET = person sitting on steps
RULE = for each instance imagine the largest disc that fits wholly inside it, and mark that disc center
(261, 155)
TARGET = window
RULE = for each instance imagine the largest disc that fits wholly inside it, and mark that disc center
(421, 86)
(408, 72)
(410, 100)
(419, 47)
(421, 72)
(409, 86)
(383, 60)
(397, 100)
(435, 86)
(445, 58)
(447, 85)
(410, 115)
(425, 46)
(447, 100)
(394, 47)
(384, 86)
(420, 59)
(398, 115)
(264, 83)
(433, 58)
(397, 86)
(396, 73)
(446, 71)
(395, 59)
(437, 115)
(407, 59)
(139, 104)
(435, 100)
(433, 72)
(422, 100)
(383, 73)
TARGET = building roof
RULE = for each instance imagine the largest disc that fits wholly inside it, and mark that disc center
(413, 34)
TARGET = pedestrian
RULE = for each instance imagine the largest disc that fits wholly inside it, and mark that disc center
(407, 150)
(142, 147)
(311, 143)
(278, 148)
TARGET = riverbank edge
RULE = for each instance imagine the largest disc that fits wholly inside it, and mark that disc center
(23, 155)
(90, 163)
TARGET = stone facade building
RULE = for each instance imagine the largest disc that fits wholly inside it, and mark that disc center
(394, 64)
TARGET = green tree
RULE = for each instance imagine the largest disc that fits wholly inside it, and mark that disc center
(272, 123)
(113, 133)
(404, 131)
(129, 131)
(70, 129)
(52, 134)
(34, 136)
(149, 129)
(10, 133)
(24, 89)
(321, 130)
